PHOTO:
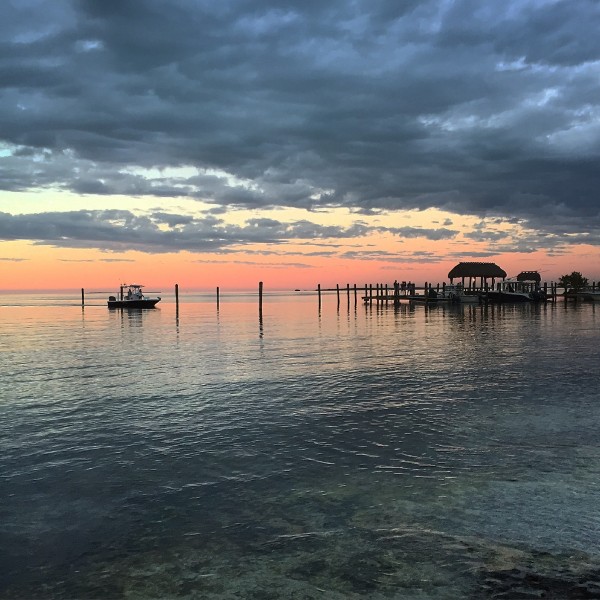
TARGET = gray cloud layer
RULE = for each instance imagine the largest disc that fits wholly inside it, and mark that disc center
(474, 107)
(160, 232)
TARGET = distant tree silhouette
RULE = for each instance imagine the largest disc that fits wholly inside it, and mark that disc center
(574, 282)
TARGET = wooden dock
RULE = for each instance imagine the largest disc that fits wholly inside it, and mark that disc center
(405, 292)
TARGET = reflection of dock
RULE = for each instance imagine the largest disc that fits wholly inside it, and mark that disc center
(392, 298)
(447, 295)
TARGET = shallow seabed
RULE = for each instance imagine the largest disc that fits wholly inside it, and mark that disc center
(411, 453)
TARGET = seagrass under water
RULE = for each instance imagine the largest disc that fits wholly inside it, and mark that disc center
(444, 452)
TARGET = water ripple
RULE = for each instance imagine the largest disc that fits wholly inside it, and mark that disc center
(390, 437)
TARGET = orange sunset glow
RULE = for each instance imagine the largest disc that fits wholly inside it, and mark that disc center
(375, 257)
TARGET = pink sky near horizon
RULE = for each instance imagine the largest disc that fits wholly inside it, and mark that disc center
(48, 268)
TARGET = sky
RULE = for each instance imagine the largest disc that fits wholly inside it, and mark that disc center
(358, 141)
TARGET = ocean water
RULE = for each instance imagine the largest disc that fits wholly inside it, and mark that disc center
(348, 452)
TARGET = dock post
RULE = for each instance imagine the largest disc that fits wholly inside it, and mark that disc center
(82, 297)
(319, 293)
(176, 296)
(355, 296)
(218, 298)
(260, 296)
(337, 287)
(348, 294)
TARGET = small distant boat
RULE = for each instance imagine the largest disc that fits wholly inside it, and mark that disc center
(593, 294)
(456, 294)
(452, 293)
(131, 296)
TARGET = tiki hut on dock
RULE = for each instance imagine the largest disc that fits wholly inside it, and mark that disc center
(529, 276)
(477, 270)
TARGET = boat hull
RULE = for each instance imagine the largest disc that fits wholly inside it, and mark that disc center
(591, 296)
(507, 297)
(146, 303)
(515, 297)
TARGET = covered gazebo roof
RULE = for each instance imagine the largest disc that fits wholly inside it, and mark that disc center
(529, 276)
(486, 270)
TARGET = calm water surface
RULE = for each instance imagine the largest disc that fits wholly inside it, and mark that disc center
(417, 453)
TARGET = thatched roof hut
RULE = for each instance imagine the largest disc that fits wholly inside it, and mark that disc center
(529, 276)
(477, 270)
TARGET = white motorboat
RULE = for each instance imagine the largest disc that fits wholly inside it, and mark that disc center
(131, 296)
(516, 290)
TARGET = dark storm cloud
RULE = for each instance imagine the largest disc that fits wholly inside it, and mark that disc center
(474, 107)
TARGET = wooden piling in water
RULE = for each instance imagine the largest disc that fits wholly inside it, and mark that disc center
(218, 299)
(176, 296)
(260, 296)
(319, 293)
(82, 297)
